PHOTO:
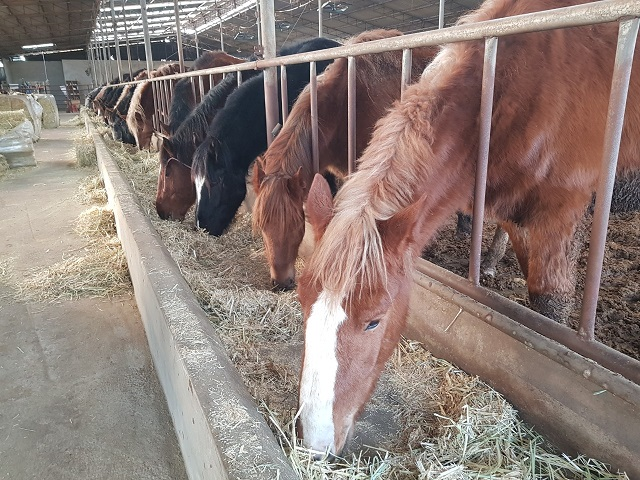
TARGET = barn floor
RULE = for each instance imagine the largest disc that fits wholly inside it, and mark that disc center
(80, 397)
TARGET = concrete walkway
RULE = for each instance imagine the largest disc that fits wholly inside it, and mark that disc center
(79, 397)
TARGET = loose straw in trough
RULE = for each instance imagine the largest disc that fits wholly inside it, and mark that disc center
(446, 424)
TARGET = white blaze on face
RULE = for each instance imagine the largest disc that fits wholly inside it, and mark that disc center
(317, 386)
(199, 182)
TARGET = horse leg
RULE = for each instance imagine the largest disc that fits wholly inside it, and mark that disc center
(552, 266)
(495, 253)
(463, 227)
(519, 244)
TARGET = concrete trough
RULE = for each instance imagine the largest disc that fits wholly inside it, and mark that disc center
(221, 433)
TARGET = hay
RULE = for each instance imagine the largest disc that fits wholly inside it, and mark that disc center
(10, 120)
(91, 191)
(85, 151)
(4, 166)
(75, 121)
(450, 424)
(98, 270)
(50, 116)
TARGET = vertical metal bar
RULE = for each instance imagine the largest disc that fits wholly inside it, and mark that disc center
(105, 57)
(239, 77)
(267, 19)
(200, 89)
(406, 69)
(116, 40)
(145, 31)
(284, 93)
(441, 15)
(195, 39)
(313, 91)
(126, 38)
(156, 102)
(351, 114)
(211, 82)
(193, 87)
(176, 12)
(320, 18)
(90, 54)
(164, 102)
(627, 35)
(258, 22)
(486, 109)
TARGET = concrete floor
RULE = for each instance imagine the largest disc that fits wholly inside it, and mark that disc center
(79, 396)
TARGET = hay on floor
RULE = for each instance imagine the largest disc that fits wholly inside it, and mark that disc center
(85, 151)
(451, 425)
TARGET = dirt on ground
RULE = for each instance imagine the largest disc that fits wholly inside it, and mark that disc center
(618, 312)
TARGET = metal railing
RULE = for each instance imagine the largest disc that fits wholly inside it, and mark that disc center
(626, 12)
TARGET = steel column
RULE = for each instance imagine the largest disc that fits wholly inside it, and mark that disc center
(441, 15)
(221, 36)
(115, 37)
(486, 109)
(267, 19)
(319, 18)
(176, 11)
(126, 38)
(145, 30)
(628, 33)
(351, 114)
(195, 39)
(406, 69)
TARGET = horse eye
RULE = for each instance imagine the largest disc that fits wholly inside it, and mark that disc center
(372, 324)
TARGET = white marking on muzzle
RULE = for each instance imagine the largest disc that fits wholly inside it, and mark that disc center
(317, 386)
(199, 182)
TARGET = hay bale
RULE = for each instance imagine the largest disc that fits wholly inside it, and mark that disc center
(50, 115)
(85, 151)
(10, 119)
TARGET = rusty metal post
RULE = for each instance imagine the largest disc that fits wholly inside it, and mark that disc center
(176, 11)
(406, 69)
(628, 33)
(486, 109)
(116, 40)
(284, 93)
(267, 19)
(313, 92)
(351, 114)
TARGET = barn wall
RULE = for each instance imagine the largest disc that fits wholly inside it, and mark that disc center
(33, 71)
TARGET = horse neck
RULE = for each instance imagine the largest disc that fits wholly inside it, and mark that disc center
(182, 104)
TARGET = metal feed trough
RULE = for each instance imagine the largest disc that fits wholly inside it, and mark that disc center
(582, 394)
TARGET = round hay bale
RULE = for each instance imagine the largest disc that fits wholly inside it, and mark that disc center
(50, 116)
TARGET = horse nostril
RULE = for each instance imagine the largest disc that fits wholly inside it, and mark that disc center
(288, 284)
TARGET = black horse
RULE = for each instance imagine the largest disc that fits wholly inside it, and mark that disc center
(118, 115)
(237, 135)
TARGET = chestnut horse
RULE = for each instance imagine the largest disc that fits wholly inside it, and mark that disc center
(550, 107)
(176, 192)
(237, 135)
(141, 109)
(282, 177)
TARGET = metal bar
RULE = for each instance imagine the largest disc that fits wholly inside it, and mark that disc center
(176, 11)
(319, 18)
(90, 54)
(115, 36)
(578, 15)
(195, 38)
(267, 18)
(406, 69)
(147, 40)
(605, 356)
(193, 87)
(486, 108)
(628, 33)
(313, 92)
(156, 102)
(211, 82)
(441, 14)
(166, 100)
(258, 22)
(284, 93)
(200, 89)
(351, 114)
(239, 77)
(126, 38)
(221, 37)
(104, 53)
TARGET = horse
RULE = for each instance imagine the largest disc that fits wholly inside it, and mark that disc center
(141, 109)
(237, 135)
(176, 192)
(282, 176)
(549, 113)
(118, 117)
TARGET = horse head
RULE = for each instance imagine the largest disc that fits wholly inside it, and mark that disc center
(353, 316)
(176, 192)
(220, 189)
(279, 215)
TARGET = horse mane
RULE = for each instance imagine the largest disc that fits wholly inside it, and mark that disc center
(280, 208)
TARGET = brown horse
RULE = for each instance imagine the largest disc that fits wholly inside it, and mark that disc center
(550, 107)
(282, 177)
(141, 109)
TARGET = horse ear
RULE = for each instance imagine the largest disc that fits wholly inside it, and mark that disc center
(258, 174)
(403, 230)
(319, 206)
